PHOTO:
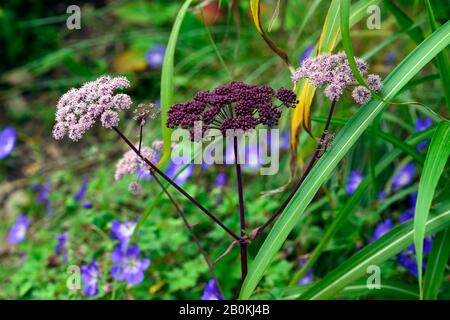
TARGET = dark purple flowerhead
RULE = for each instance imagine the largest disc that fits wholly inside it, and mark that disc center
(403, 177)
(210, 291)
(333, 71)
(155, 56)
(18, 231)
(122, 231)
(381, 229)
(7, 142)
(79, 109)
(128, 266)
(354, 180)
(235, 106)
(90, 274)
(62, 245)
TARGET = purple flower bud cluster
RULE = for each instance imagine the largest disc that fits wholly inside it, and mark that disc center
(334, 72)
(235, 106)
(79, 109)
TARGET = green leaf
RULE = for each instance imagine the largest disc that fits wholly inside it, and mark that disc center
(167, 81)
(388, 288)
(443, 62)
(435, 161)
(375, 253)
(341, 216)
(437, 261)
(347, 137)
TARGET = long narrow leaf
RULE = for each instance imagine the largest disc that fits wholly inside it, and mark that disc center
(404, 72)
(375, 253)
(434, 165)
(167, 83)
(436, 265)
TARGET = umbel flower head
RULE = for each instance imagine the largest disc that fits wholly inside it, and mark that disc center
(333, 71)
(234, 106)
(79, 109)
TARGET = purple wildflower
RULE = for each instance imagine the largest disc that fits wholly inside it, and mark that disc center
(144, 112)
(404, 176)
(381, 229)
(221, 179)
(155, 56)
(382, 195)
(335, 73)
(173, 168)
(82, 192)
(79, 109)
(42, 196)
(421, 125)
(61, 245)
(306, 54)
(122, 231)
(210, 291)
(87, 204)
(407, 260)
(128, 266)
(390, 58)
(235, 106)
(90, 274)
(308, 276)
(354, 180)
(427, 241)
(7, 142)
(18, 231)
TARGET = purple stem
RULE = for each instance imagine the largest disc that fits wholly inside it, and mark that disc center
(176, 186)
(311, 164)
(243, 244)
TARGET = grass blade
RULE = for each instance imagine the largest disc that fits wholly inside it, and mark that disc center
(434, 165)
(346, 138)
(375, 253)
(436, 265)
(443, 62)
(167, 84)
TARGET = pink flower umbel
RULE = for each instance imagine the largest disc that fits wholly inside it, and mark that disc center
(334, 72)
(79, 109)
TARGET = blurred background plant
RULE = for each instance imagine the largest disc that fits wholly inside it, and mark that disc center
(58, 201)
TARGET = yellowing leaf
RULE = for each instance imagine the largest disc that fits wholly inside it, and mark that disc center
(129, 61)
(255, 7)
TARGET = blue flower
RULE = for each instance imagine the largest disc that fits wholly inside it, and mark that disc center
(82, 192)
(421, 125)
(427, 242)
(390, 58)
(87, 204)
(408, 261)
(306, 54)
(128, 266)
(122, 231)
(155, 56)
(404, 176)
(90, 274)
(7, 142)
(382, 195)
(42, 197)
(308, 276)
(18, 231)
(354, 180)
(221, 179)
(183, 176)
(210, 291)
(381, 229)
(61, 245)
